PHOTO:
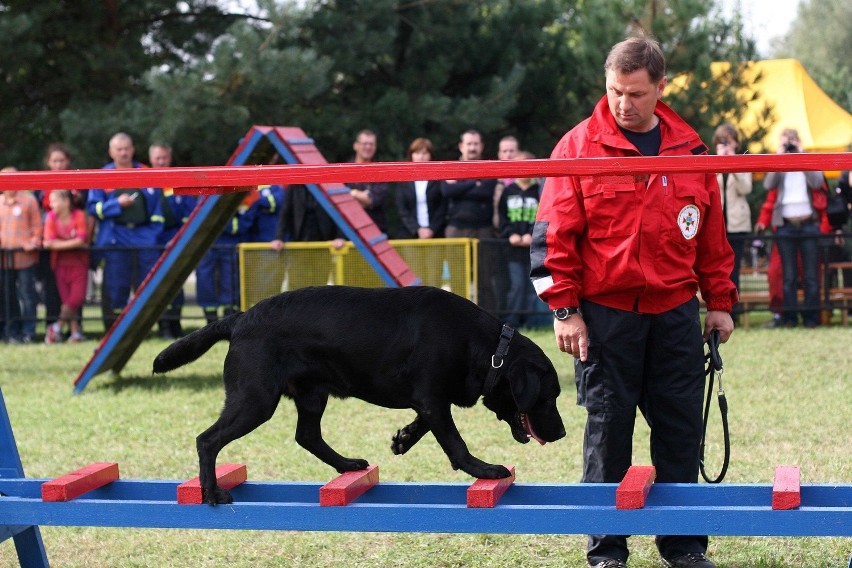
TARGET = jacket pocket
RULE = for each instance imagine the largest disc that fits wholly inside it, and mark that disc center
(686, 209)
(612, 209)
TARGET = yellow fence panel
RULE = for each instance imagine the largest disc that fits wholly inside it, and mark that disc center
(446, 263)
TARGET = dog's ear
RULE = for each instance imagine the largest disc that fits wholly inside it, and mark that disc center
(525, 384)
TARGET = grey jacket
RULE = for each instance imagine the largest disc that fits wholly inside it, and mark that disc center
(775, 180)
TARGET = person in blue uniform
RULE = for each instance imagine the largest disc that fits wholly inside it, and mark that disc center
(129, 222)
(265, 212)
(176, 210)
(217, 274)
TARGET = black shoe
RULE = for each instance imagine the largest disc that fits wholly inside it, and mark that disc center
(691, 560)
(611, 563)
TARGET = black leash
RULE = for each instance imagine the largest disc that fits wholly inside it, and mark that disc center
(714, 368)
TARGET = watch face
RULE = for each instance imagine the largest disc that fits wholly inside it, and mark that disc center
(564, 313)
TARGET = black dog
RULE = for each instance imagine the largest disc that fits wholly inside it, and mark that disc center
(417, 347)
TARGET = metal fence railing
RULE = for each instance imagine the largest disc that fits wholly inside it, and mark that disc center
(475, 269)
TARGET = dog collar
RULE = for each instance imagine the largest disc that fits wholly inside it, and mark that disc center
(506, 335)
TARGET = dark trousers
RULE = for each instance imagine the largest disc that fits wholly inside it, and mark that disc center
(654, 363)
(486, 294)
(796, 242)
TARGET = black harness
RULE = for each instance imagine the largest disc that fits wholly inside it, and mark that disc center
(497, 359)
(714, 368)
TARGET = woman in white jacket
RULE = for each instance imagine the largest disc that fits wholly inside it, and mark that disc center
(733, 189)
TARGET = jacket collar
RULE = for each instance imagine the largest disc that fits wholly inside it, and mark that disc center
(674, 131)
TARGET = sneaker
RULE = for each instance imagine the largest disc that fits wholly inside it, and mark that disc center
(52, 334)
(611, 563)
(26, 339)
(76, 338)
(691, 560)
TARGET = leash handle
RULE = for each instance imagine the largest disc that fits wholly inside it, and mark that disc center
(713, 347)
(714, 368)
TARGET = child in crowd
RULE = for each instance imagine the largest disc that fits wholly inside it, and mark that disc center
(516, 211)
(66, 236)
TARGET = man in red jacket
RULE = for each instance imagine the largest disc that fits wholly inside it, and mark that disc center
(619, 259)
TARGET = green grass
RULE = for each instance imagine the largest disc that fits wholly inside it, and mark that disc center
(788, 391)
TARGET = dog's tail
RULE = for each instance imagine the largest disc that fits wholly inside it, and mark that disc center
(189, 348)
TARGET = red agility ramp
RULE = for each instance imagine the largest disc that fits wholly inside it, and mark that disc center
(261, 145)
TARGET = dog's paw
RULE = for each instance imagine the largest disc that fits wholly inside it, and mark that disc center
(488, 471)
(218, 496)
(352, 465)
(401, 442)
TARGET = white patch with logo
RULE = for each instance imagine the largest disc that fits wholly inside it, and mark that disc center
(687, 220)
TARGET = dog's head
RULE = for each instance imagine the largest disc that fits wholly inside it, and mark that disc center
(525, 392)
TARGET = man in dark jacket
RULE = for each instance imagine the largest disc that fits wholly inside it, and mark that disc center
(471, 214)
(302, 219)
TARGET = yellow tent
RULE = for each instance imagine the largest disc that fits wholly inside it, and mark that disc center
(796, 102)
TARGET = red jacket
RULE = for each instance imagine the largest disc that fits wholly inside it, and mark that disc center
(642, 243)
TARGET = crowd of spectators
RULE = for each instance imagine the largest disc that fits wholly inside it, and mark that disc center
(45, 236)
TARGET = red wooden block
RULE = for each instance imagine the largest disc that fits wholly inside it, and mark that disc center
(349, 486)
(634, 488)
(484, 493)
(787, 490)
(79, 482)
(228, 476)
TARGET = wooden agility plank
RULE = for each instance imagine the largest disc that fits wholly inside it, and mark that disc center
(228, 476)
(485, 493)
(786, 490)
(634, 488)
(79, 482)
(348, 486)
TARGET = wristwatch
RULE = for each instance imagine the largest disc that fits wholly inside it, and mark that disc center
(565, 313)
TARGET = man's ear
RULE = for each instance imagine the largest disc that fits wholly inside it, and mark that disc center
(525, 384)
(661, 87)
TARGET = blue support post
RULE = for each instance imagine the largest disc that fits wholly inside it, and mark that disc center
(28, 543)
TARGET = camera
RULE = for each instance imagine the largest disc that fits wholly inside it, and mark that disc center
(789, 148)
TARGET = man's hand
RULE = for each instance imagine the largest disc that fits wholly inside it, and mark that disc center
(362, 196)
(721, 321)
(125, 200)
(572, 337)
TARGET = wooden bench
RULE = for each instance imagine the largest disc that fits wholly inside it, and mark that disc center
(841, 296)
(754, 291)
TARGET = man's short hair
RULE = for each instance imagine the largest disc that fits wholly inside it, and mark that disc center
(473, 131)
(637, 53)
(365, 132)
(121, 136)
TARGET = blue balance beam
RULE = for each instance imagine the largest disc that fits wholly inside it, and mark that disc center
(826, 510)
